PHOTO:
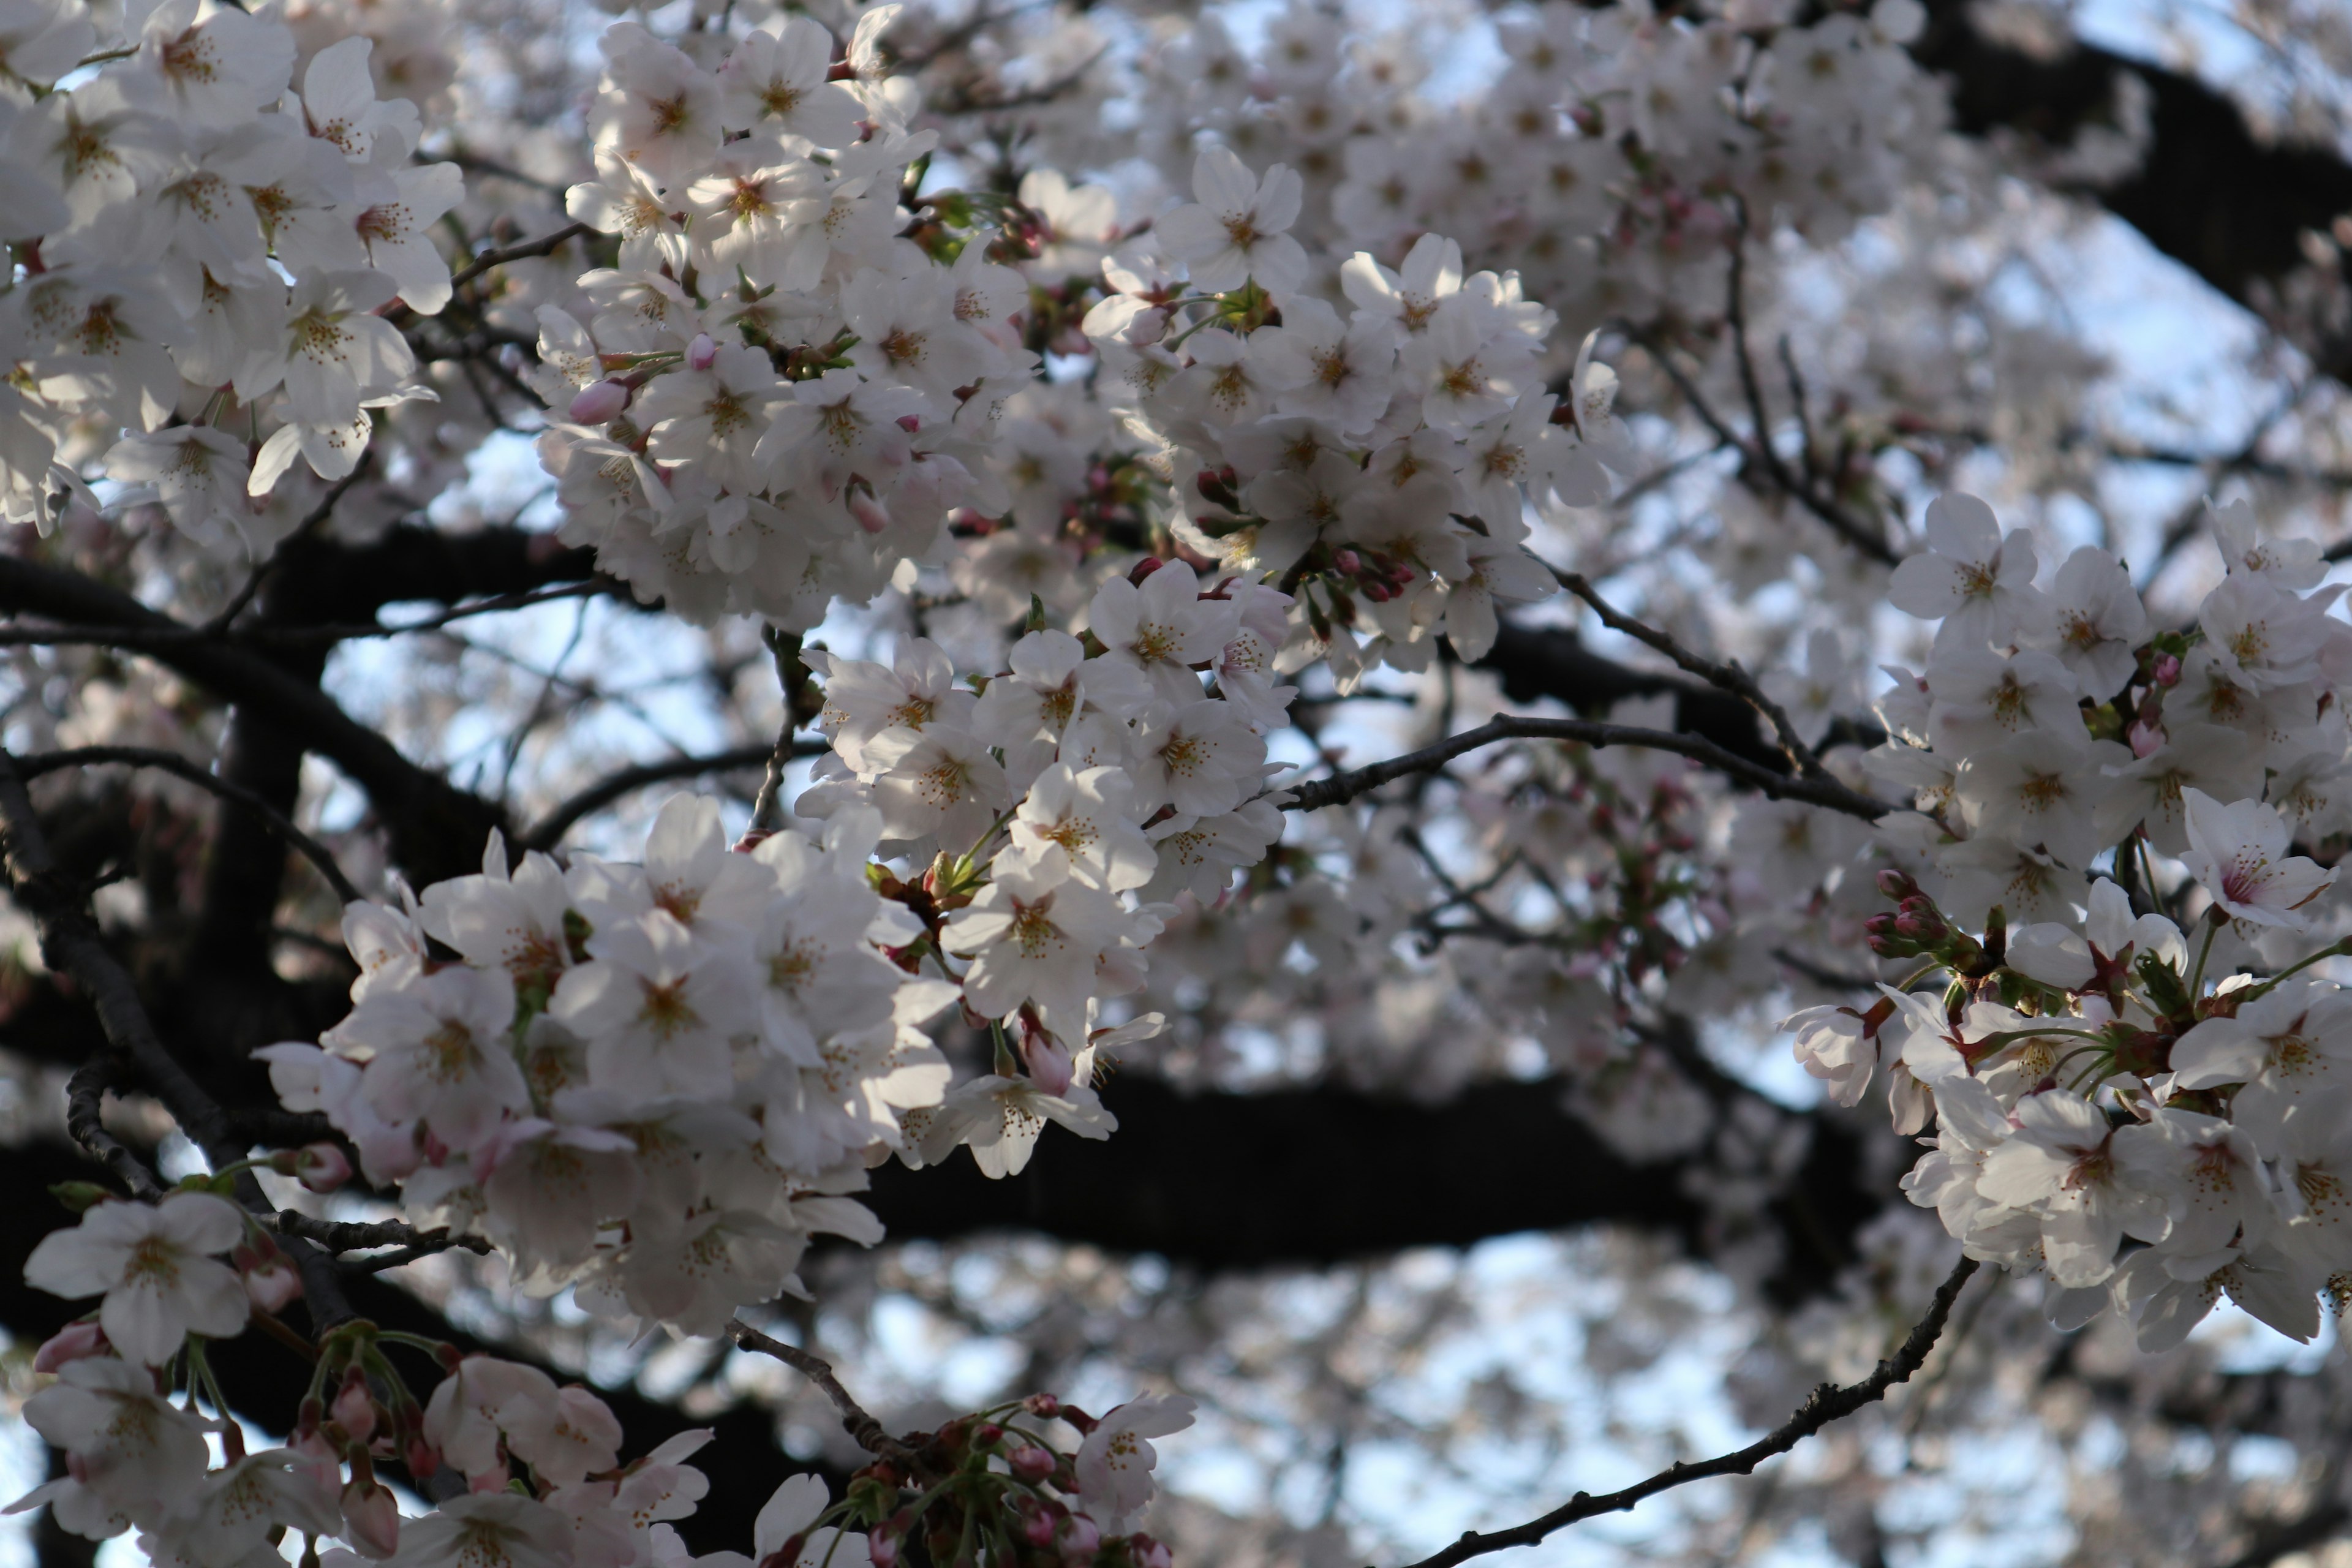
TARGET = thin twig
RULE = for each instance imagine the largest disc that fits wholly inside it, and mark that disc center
(1829, 1403)
(1343, 787)
(549, 830)
(39, 762)
(866, 1431)
(279, 635)
(317, 515)
(523, 252)
(1727, 676)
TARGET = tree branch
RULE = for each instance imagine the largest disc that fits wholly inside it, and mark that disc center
(1828, 1403)
(1343, 787)
(549, 830)
(1725, 677)
(523, 252)
(854, 1420)
(40, 762)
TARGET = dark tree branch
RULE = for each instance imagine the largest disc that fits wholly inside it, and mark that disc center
(549, 830)
(429, 818)
(1727, 676)
(1341, 788)
(34, 766)
(70, 944)
(854, 1420)
(85, 1105)
(524, 251)
(1829, 1403)
(2209, 192)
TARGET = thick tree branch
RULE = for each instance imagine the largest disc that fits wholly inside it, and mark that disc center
(1828, 1403)
(2209, 192)
(34, 766)
(429, 818)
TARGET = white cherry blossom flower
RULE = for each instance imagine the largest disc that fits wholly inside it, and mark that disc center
(155, 1264)
(1236, 231)
(2239, 853)
(1977, 583)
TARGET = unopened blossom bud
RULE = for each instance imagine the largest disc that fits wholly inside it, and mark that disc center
(1377, 593)
(1347, 561)
(2146, 739)
(702, 352)
(1051, 1068)
(599, 404)
(1145, 568)
(1400, 575)
(73, 1342)
(321, 1167)
(272, 1284)
(1150, 1553)
(2166, 671)
(422, 1457)
(882, 1548)
(871, 514)
(354, 1407)
(370, 1519)
(1031, 1463)
(986, 1435)
(1897, 884)
(1078, 1538)
(493, 1480)
(910, 423)
(1037, 1528)
(1041, 1404)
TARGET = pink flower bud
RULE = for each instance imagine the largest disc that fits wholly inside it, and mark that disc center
(1377, 593)
(1895, 884)
(1078, 1539)
(2167, 670)
(1041, 1404)
(272, 1285)
(871, 514)
(424, 1460)
(702, 353)
(986, 1435)
(1150, 1553)
(599, 404)
(2146, 739)
(72, 1342)
(1050, 1067)
(321, 1167)
(1347, 561)
(1145, 568)
(1037, 1529)
(910, 423)
(370, 1519)
(883, 1549)
(493, 1480)
(354, 1408)
(1031, 1463)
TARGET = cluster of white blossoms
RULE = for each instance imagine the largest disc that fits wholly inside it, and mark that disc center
(649, 1081)
(528, 1473)
(206, 243)
(2152, 1116)
(777, 394)
(1378, 465)
(1606, 162)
